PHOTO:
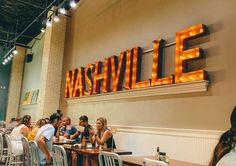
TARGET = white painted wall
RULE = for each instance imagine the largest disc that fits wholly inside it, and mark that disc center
(186, 145)
(31, 77)
(101, 28)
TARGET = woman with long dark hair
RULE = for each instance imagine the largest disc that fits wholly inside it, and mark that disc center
(21, 130)
(225, 151)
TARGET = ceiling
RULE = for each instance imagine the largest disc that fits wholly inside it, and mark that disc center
(17, 15)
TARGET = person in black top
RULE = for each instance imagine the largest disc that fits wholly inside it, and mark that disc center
(104, 135)
(59, 114)
(225, 150)
(83, 130)
(83, 121)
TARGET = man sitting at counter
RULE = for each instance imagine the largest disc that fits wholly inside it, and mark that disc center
(67, 130)
(83, 131)
(44, 138)
(84, 128)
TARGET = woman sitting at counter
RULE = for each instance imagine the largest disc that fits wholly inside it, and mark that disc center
(103, 136)
(20, 131)
(34, 131)
(225, 151)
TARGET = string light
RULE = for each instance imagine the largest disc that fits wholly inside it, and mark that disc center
(73, 4)
(49, 22)
(15, 52)
(62, 10)
(9, 55)
(2, 87)
(43, 29)
(46, 23)
(56, 18)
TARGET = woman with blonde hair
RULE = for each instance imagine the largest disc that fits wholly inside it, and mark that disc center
(104, 135)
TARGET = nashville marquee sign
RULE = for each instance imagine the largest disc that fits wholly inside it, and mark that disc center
(124, 72)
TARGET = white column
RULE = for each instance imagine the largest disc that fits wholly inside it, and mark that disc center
(52, 64)
(15, 85)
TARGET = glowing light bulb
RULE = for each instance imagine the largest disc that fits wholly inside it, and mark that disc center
(15, 52)
(43, 30)
(62, 10)
(56, 18)
(49, 23)
(73, 4)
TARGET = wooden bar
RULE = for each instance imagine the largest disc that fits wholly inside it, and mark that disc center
(138, 161)
(90, 155)
(64, 142)
(96, 151)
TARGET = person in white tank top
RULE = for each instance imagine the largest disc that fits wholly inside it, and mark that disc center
(20, 131)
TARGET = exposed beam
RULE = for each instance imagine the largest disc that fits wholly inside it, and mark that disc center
(17, 44)
(24, 36)
(39, 7)
(33, 5)
(48, 7)
(30, 4)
